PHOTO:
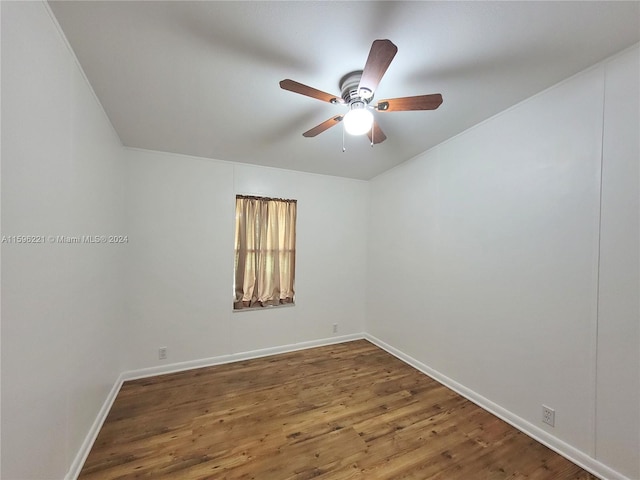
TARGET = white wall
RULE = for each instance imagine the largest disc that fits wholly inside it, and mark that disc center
(61, 304)
(484, 254)
(618, 377)
(180, 218)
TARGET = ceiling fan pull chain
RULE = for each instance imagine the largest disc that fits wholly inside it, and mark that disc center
(373, 130)
(344, 149)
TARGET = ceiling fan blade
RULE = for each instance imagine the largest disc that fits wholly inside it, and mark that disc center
(297, 87)
(327, 124)
(380, 56)
(420, 102)
(376, 135)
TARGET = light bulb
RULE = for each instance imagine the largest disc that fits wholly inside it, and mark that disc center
(358, 120)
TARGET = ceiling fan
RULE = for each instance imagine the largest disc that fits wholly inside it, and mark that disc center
(357, 90)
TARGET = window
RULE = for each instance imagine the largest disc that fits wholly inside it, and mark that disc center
(265, 252)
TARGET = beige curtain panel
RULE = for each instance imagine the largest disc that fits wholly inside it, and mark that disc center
(265, 251)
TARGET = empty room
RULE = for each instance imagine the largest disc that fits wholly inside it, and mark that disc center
(337, 240)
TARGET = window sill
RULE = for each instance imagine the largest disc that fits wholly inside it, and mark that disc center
(268, 307)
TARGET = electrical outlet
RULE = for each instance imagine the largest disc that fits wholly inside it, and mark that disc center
(335, 328)
(548, 415)
(162, 353)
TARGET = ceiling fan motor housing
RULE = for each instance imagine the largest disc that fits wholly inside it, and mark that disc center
(349, 87)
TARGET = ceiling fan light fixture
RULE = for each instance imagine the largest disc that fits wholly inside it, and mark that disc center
(358, 120)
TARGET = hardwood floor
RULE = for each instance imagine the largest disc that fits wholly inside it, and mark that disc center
(347, 411)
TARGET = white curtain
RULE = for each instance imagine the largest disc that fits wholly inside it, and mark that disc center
(265, 251)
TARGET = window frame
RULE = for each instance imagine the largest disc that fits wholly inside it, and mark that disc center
(263, 223)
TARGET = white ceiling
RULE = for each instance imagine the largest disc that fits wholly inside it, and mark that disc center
(201, 78)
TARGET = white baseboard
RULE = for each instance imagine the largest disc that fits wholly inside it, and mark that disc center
(571, 453)
(89, 440)
(236, 357)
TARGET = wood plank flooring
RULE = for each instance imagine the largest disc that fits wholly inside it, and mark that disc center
(349, 412)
